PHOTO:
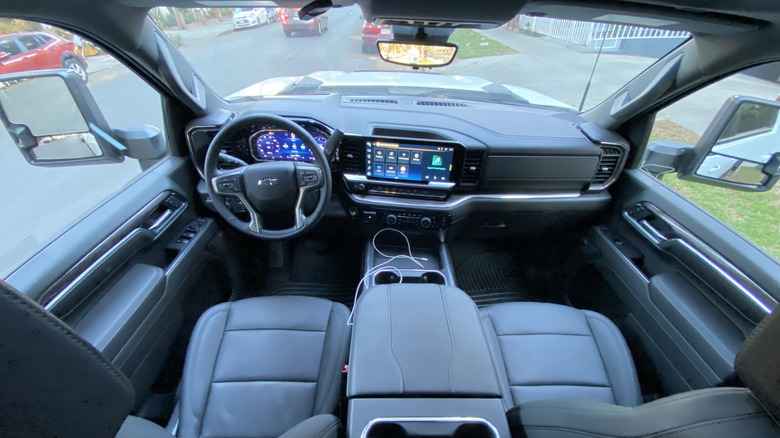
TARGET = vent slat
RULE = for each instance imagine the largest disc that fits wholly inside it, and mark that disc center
(472, 166)
(445, 104)
(351, 157)
(370, 100)
(608, 164)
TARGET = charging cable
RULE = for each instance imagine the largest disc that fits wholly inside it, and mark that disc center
(385, 266)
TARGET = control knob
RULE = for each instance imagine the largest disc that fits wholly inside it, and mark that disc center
(391, 219)
(426, 222)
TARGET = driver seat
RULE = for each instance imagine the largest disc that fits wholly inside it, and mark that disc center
(259, 366)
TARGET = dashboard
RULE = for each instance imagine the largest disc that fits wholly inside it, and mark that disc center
(428, 166)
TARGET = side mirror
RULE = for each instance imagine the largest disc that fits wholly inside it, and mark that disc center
(417, 53)
(740, 149)
(54, 121)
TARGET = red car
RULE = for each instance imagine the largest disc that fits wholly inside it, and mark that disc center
(26, 51)
(374, 32)
(291, 23)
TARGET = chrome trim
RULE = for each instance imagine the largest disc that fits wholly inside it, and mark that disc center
(411, 271)
(52, 303)
(162, 223)
(618, 168)
(454, 201)
(755, 293)
(380, 420)
(420, 185)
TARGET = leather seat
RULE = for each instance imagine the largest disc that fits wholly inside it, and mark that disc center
(259, 366)
(546, 351)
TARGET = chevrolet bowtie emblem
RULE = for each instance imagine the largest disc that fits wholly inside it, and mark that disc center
(268, 182)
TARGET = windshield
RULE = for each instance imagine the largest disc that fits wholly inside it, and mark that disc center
(528, 61)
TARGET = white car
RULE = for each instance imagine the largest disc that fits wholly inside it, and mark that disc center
(249, 17)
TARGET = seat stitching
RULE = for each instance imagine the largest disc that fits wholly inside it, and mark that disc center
(503, 360)
(214, 368)
(585, 385)
(659, 433)
(603, 361)
(625, 352)
(89, 349)
(548, 334)
(452, 339)
(390, 341)
(331, 314)
(263, 381)
(275, 329)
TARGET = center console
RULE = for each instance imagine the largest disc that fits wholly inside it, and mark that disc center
(415, 169)
(420, 365)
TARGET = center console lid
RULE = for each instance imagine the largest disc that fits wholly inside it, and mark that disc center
(412, 340)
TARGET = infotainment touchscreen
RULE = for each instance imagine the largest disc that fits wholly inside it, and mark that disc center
(408, 161)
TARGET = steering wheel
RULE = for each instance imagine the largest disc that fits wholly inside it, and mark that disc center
(270, 187)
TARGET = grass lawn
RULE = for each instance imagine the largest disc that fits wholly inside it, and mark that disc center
(473, 44)
(754, 214)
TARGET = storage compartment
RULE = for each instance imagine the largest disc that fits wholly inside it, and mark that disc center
(409, 276)
(430, 427)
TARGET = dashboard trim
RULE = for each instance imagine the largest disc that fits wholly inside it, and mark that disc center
(452, 203)
(350, 177)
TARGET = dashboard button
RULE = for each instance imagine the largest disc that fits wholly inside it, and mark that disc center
(391, 219)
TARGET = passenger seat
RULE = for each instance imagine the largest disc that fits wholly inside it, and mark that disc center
(546, 351)
(568, 373)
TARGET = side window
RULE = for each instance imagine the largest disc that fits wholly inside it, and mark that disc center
(41, 203)
(10, 47)
(29, 42)
(755, 215)
(42, 38)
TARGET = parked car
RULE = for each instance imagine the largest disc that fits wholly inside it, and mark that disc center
(27, 51)
(249, 17)
(291, 23)
(373, 33)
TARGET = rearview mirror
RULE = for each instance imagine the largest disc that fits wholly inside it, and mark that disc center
(417, 53)
(54, 121)
(740, 149)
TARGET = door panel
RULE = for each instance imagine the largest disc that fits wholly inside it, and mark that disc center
(119, 276)
(694, 287)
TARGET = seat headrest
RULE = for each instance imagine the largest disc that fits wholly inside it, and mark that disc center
(758, 363)
(53, 382)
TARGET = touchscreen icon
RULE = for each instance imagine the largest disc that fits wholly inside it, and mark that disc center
(437, 160)
(379, 169)
(390, 170)
(403, 156)
(416, 157)
(403, 170)
(391, 156)
(379, 155)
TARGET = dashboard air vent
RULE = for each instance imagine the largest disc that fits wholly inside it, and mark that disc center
(437, 103)
(608, 164)
(472, 165)
(369, 100)
(351, 158)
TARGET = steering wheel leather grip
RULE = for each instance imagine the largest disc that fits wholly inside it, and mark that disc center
(271, 186)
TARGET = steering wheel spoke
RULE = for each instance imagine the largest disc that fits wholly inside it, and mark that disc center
(228, 182)
(309, 176)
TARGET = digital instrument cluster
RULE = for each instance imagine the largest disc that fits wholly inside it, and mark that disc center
(280, 145)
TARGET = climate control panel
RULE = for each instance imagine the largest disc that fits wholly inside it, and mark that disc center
(404, 219)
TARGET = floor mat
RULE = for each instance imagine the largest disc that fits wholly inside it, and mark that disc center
(329, 270)
(496, 278)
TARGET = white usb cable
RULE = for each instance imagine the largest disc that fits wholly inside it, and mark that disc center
(384, 266)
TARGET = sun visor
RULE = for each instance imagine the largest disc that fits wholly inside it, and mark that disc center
(635, 14)
(453, 13)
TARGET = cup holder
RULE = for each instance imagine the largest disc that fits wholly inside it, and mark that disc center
(430, 427)
(410, 276)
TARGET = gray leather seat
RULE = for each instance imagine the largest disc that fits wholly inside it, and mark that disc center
(259, 366)
(547, 351)
(55, 384)
(717, 412)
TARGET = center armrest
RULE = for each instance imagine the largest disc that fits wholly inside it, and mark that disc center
(419, 340)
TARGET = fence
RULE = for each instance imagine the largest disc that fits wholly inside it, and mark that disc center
(590, 35)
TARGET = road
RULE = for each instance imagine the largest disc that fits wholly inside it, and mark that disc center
(39, 202)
